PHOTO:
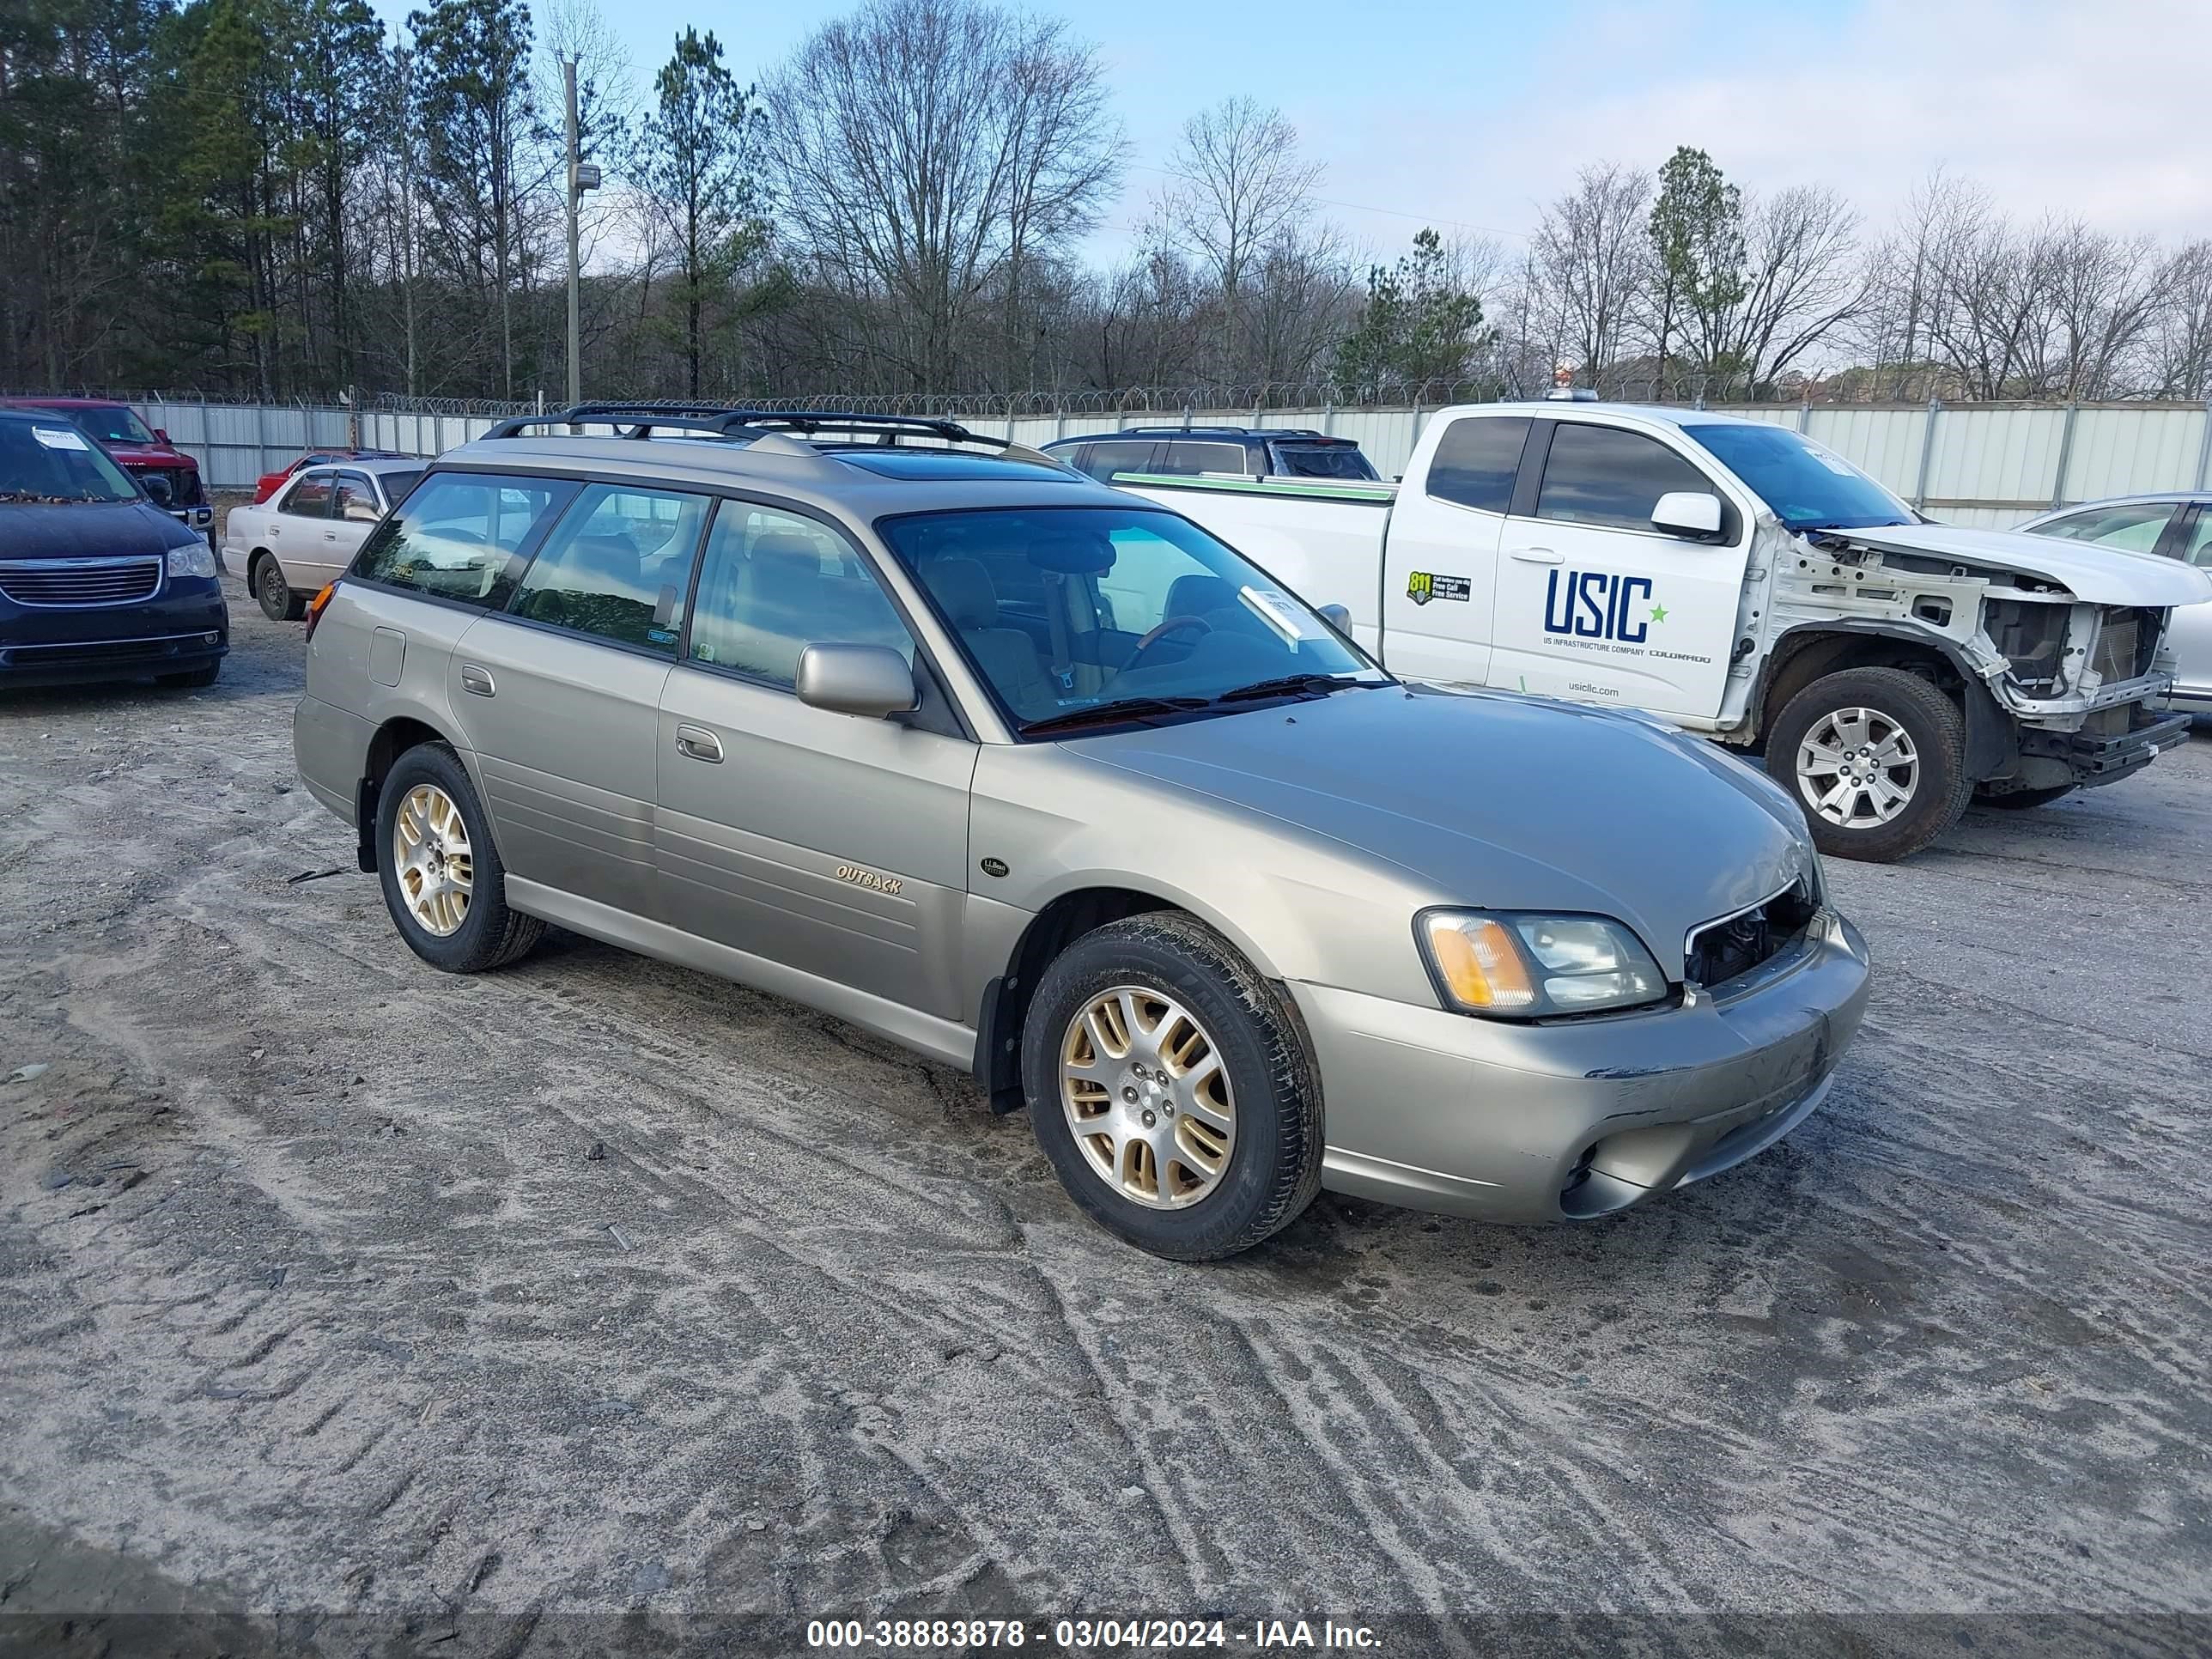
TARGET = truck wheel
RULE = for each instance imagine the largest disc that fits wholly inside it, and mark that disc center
(1170, 1090)
(443, 882)
(279, 602)
(1876, 756)
(2018, 800)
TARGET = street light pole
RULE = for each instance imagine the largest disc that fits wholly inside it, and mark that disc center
(574, 190)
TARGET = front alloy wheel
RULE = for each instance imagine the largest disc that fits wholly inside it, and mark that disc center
(1147, 1097)
(1857, 769)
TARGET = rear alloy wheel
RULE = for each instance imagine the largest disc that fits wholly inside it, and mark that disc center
(279, 602)
(1876, 756)
(443, 881)
(1170, 1090)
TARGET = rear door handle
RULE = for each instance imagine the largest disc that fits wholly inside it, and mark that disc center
(699, 744)
(476, 681)
(1536, 555)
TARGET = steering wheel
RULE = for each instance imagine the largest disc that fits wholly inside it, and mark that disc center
(1171, 625)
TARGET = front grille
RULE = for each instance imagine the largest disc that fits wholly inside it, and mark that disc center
(1728, 949)
(2125, 644)
(79, 583)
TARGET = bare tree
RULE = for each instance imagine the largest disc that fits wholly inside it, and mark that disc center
(1238, 185)
(2182, 344)
(924, 150)
(1800, 281)
(1593, 262)
(2105, 293)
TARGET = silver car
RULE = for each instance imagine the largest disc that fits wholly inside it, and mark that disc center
(2177, 524)
(1044, 781)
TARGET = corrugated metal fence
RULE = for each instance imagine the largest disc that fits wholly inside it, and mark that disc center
(1976, 464)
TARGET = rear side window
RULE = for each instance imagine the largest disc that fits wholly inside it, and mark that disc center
(309, 497)
(462, 536)
(1604, 475)
(618, 567)
(1323, 461)
(1101, 461)
(1476, 460)
(1191, 459)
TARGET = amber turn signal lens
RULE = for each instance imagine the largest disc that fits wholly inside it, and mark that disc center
(1479, 965)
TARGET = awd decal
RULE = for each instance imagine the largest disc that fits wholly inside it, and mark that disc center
(869, 879)
(1595, 605)
(1424, 585)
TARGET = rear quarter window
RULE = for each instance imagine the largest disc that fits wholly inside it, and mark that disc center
(463, 536)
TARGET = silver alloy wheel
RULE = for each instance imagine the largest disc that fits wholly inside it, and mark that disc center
(430, 854)
(1147, 1097)
(1857, 769)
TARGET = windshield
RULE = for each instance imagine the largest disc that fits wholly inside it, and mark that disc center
(49, 461)
(1323, 461)
(112, 423)
(1808, 487)
(1065, 610)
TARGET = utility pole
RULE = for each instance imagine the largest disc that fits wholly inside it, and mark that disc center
(576, 189)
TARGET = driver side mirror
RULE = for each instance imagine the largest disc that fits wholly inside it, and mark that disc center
(157, 487)
(1688, 513)
(161, 434)
(872, 682)
(1338, 617)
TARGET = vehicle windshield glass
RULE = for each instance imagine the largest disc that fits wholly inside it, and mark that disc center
(1066, 609)
(112, 424)
(1808, 487)
(49, 460)
(1323, 461)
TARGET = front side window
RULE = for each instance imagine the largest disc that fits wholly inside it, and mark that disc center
(618, 567)
(2133, 525)
(357, 502)
(49, 462)
(309, 497)
(1139, 605)
(1605, 475)
(2196, 546)
(1809, 488)
(1476, 460)
(462, 536)
(774, 583)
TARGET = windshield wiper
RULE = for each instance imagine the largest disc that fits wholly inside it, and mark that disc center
(1123, 709)
(1287, 685)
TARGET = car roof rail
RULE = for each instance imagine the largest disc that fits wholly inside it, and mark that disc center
(801, 427)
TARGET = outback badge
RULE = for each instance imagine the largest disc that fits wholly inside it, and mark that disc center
(869, 879)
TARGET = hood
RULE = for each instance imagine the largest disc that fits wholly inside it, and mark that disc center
(164, 456)
(1501, 801)
(88, 530)
(2096, 575)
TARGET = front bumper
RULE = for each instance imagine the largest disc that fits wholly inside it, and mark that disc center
(186, 625)
(1572, 1121)
(2095, 758)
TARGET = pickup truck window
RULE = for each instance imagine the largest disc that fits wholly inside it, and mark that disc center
(1607, 475)
(1808, 487)
(1476, 460)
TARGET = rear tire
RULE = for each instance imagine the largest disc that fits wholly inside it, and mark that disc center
(1876, 758)
(428, 787)
(1207, 1007)
(2018, 800)
(279, 602)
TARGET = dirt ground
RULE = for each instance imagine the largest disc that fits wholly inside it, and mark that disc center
(348, 1307)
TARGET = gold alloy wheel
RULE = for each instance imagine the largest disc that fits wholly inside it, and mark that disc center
(1857, 769)
(431, 855)
(1147, 1097)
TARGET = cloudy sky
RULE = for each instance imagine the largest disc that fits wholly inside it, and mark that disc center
(1470, 115)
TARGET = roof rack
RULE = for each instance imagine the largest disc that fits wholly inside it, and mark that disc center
(731, 421)
(1195, 431)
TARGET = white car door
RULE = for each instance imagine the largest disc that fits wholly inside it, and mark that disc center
(1595, 605)
(359, 505)
(1440, 556)
(300, 528)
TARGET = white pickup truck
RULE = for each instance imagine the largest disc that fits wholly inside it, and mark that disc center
(1733, 578)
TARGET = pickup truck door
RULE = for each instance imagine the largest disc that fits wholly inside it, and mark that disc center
(1594, 604)
(1440, 555)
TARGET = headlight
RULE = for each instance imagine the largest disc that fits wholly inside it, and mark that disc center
(193, 561)
(1526, 967)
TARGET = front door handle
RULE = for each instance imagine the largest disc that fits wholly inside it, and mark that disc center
(699, 744)
(476, 681)
(330, 535)
(1536, 555)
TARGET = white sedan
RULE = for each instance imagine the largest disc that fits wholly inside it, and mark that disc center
(2177, 525)
(305, 536)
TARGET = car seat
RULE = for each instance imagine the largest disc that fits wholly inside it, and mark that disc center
(1007, 656)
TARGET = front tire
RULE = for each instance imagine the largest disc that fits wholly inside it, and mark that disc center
(279, 602)
(443, 881)
(1170, 1088)
(1876, 758)
(192, 679)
